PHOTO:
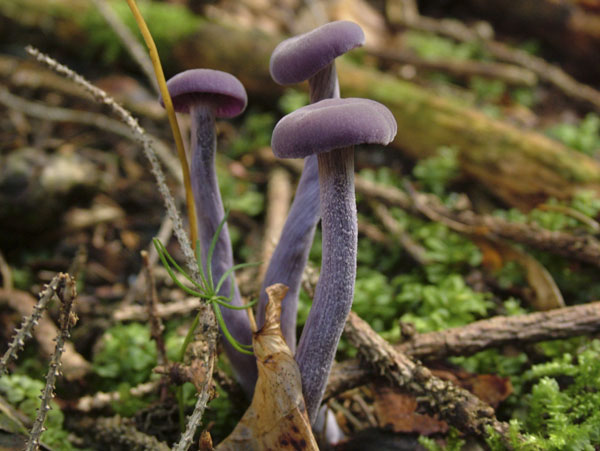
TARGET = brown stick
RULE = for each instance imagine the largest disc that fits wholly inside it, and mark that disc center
(544, 70)
(74, 366)
(489, 333)
(156, 326)
(453, 404)
(509, 73)
(279, 193)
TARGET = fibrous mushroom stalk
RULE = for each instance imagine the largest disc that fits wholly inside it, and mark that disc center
(210, 211)
(335, 289)
(324, 84)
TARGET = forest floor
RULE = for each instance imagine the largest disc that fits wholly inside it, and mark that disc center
(478, 249)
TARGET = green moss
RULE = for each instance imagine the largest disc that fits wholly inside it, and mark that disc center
(23, 393)
(127, 354)
(437, 172)
(434, 47)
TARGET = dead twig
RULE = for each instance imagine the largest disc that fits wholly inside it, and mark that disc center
(66, 293)
(74, 365)
(453, 404)
(480, 335)
(545, 71)
(415, 250)
(164, 235)
(279, 194)
(100, 121)
(138, 312)
(101, 400)
(156, 326)
(202, 354)
(509, 73)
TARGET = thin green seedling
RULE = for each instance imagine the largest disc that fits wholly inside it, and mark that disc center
(205, 289)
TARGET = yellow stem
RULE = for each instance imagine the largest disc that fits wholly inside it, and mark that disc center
(164, 92)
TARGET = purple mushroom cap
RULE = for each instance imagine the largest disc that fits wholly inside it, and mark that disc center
(332, 124)
(299, 58)
(224, 93)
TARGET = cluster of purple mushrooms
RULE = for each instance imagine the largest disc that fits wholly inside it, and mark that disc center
(324, 133)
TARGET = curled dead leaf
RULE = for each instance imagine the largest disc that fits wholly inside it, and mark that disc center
(277, 417)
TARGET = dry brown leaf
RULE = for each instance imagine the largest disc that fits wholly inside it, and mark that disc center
(396, 411)
(546, 294)
(277, 417)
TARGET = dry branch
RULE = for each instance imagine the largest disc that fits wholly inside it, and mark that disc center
(66, 293)
(74, 366)
(509, 73)
(453, 404)
(279, 193)
(478, 336)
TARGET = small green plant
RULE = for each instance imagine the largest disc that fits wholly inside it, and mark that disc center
(205, 289)
(127, 355)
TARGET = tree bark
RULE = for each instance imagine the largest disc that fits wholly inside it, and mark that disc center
(520, 167)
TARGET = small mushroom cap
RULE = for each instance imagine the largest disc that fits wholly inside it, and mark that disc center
(299, 58)
(332, 124)
(224, 93)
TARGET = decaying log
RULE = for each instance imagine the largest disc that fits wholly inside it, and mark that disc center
(520, 167)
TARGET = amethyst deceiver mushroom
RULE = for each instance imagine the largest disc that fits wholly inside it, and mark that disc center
(207, 94)
(310, 56)
(330, 129)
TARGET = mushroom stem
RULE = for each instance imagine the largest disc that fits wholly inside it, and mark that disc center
(290, 256)
(291, 253)
(335, 289)
(209, 207)
(324, 84)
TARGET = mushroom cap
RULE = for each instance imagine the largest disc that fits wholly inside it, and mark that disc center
(299, 58)
(223, 92)
(332, 124)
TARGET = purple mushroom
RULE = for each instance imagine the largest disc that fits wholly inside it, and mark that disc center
(310, 56)
(206, 94)
(330, 129)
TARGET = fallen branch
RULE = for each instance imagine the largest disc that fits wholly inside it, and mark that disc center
(455, 405)
(66, 293)
(74, 366)
(544, 70)
(478, 336)
(279, 193)
(509, 73)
